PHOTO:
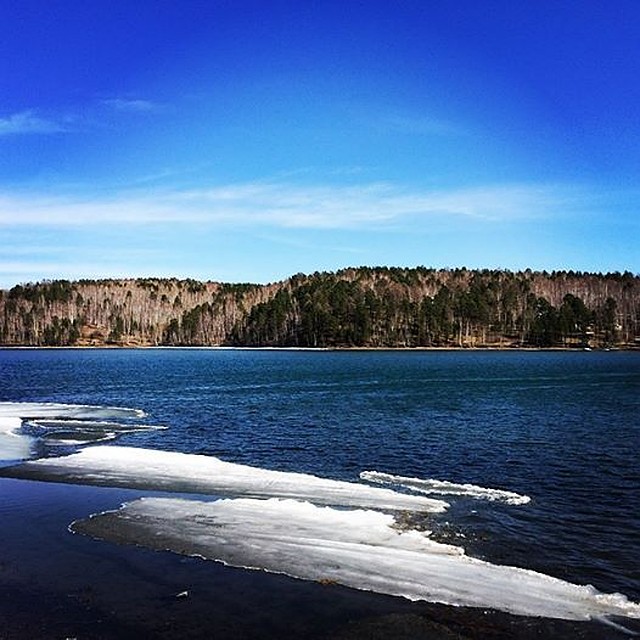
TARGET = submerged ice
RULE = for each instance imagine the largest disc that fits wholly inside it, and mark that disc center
(362, 549)
(85, 431)
(33, 410)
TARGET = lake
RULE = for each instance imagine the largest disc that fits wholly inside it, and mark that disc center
(534, 454)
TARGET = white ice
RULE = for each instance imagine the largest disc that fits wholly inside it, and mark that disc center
(443, 488)
(17, 446)
(13, 445)
(172, 471)
(358, 548)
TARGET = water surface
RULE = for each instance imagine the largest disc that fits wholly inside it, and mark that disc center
(561, 428)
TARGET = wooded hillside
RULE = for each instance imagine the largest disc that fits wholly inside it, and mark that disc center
(360, 307)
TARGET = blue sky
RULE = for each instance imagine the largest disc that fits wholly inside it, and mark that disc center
(247, 141)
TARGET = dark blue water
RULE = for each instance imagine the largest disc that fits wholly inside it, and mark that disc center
(562, 428)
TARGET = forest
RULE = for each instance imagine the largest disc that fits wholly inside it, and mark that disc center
(364, 307)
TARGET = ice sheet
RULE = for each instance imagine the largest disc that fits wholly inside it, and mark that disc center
(171, 471)
(359, 548)
(444, 488)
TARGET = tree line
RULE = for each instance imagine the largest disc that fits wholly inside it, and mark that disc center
(360, 307)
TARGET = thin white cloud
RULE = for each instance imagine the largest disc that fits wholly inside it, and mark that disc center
(30, 122)
(131, 106)
(27, 122)
(283, 205)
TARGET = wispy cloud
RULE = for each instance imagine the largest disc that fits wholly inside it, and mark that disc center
(283, 205)
(181, 231)
(28, 122)
(131, 106)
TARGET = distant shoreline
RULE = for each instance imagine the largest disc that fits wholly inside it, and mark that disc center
(114, 347)
(352, 309)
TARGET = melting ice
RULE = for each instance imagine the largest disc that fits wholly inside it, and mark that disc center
(181, 472)
(13, 445)
(60, 424)
(362, 549)
(275, 521)
(444, 488)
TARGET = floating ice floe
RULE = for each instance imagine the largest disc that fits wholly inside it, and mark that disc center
(444, 488)
(284, 522)
(68, 424)
(362, 549)
(180, 472)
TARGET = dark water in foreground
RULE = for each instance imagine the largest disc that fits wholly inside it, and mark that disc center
(561, 428)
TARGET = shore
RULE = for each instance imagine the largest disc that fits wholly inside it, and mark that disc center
(61, 585)
(471, 349)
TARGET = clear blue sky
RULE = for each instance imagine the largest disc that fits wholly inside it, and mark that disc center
(247, 141)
